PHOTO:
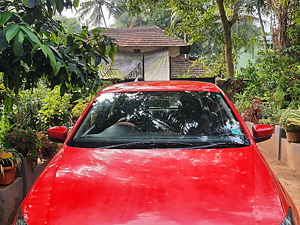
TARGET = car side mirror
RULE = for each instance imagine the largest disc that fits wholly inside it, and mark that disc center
(58, 134)
(262, 132)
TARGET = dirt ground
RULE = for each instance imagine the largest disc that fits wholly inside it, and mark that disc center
(289, 179)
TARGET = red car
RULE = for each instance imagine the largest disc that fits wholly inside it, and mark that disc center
(163, 153)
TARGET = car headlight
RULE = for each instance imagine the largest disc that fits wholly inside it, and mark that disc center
(20, 218)
(289, 219)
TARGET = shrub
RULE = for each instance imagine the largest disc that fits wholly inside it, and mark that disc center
(286, 118)
(24, 141)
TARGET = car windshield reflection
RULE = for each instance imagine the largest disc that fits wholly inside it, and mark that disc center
(168, 119)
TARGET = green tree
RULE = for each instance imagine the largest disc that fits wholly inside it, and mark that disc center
(196, 17)
(161, 18)
(34, 45)
(94, 11)
(258, 6)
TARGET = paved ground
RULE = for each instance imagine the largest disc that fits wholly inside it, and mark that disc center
(288, 177)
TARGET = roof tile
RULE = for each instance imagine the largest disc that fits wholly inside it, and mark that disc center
(143, 37)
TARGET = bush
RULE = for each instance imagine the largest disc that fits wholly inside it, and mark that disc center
(26, 142)
(286, 118)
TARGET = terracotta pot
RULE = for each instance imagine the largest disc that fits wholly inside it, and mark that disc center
(9, 175)
(293, 136)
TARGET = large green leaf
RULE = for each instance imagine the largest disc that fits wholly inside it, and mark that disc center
(31, 35)
(59, 6)
(18, 48)
(34, 49)
(26, 2)
(44, 49)
(107, 49)
(76, 3)
(51, 57)
(20, 36)
(5, 17)
(57, 68)
(11, 32)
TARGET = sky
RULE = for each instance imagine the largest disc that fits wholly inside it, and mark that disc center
(71, 14)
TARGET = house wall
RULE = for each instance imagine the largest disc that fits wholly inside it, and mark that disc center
(173, 51)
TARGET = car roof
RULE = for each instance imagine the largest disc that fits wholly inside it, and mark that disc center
(162, 86)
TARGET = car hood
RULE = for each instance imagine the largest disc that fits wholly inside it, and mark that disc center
(165, 187)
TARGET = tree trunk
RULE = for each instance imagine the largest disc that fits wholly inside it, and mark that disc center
(227, 24)
(262, 28)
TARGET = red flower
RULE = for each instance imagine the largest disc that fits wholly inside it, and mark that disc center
(18, 143)
(15, 137)
(23, 139)
(17, 133)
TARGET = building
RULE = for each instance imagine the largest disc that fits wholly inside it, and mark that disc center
(148, 53)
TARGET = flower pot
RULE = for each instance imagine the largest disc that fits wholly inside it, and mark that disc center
(9, 175)
(293, 136)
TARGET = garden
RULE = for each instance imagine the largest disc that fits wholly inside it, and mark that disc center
(49, 65)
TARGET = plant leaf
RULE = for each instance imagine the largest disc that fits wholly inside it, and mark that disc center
(5, 17)
(11, 32)
(26, 2)
(76, 3)
(51, 57)
(20, 36)
(18, 48)
(31, 35)
(57, 68)
(34, 49)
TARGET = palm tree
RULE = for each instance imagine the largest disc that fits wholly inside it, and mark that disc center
(259, 7)
(94, 11)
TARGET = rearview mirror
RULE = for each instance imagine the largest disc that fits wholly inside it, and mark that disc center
(58, 134)
(262, 132)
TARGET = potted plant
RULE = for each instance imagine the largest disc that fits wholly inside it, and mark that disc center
(289, 121)
(26, 142)
(10, 160)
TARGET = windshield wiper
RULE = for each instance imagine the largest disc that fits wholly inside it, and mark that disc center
(150, 145)
(182, 145)
(220, 145)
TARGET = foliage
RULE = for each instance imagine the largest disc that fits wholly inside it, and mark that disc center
(254, 111)
(9, 157)
(287, 120)
(55, 109)
(294, 118)
(161, 18)
(273, 77)
(47, 148)
(24, 141)
(271, 114)
(34, 45)
(6, 107)
(84, 101)
(93, 11)
(81, 105)
(42, 107)
(213, 65)
(200, 22)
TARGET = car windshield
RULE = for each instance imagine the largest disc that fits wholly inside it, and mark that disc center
(164, 119)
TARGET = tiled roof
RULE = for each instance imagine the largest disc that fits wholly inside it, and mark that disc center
(182, 66)
(143, 37)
